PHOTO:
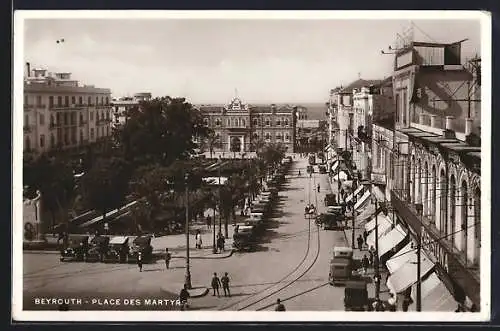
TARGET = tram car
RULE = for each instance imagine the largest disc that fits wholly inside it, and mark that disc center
(76, 250)
(118, 250)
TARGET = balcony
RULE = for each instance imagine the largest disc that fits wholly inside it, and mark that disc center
(467, 277)
(28, 107)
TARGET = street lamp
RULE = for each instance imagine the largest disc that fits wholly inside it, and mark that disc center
(220, 199)
(187, 279)
(420, 209)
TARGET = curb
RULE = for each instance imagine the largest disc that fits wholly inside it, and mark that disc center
(206, 257)
(38, 251)
(195, 292)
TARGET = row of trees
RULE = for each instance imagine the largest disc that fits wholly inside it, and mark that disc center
(147, 161)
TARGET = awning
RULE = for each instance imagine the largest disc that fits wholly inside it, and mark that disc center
(363, 200)
(391, 240)
(406, 276)
(355, 193)
(383, 228)
(342, 175)
(377, 192)
(434, 294)
(371, 224)
(400, 258)
(334, 166)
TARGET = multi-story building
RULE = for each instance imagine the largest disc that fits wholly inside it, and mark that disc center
(240, 127)
(122, 105)
(436, 159)
(62, 114)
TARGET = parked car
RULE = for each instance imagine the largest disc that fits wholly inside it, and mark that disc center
(341, 266)
(141, 244)
(76, 250)
(356, 296)
(244, 238)
(99, 245)
(118, 250)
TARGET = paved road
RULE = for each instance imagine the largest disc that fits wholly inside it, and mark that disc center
(279, 265)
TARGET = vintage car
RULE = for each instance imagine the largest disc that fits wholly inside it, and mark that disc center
(330, 199)
(244, 238)
(330, 221)
(76, 250)
(356, 296)
(341, 266)
(322, 169)
(141, 244)
(118, 250)
(99, 245)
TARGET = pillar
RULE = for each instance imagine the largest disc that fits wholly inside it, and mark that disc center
(468, 126)
(433, 120)
(421, 118)
(449, 122)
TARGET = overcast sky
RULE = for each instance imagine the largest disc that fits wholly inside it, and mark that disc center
(206, 60)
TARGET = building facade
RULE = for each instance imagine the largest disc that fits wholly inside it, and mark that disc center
(122, 105)
(62, 114)
(240, 127)
(435, 160)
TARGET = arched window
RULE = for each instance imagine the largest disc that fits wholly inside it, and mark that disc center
(418, 183)
(452, 209)
(243, 123)
(443, 221)
(425, 189)
(433, 194)
(286, 122)
(477, 226)
(255, 122)
(464, 208)
(412, 179)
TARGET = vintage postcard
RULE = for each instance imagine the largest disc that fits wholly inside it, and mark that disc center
(251, 166)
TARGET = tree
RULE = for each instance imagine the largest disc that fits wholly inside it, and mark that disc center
(161, 131)
(212, 141)
(106, 184)
(235, 145)
(54, 178)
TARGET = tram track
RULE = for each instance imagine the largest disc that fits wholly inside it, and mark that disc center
(291, 277)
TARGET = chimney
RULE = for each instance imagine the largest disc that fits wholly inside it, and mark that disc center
(468, 126)
(28, 69)
(449, 122)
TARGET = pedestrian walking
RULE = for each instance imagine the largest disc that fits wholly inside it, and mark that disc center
(360, 242)
(318, 188)
(364, 264)
(406, 303)
(371, 257)
(168, 257)
(183, 297)
(220, 242)
(365, 236)
(279, 306)
(216, 284)
(198, 239)
(139, 261)
(225, 284)
(209, 222)
(392, 302)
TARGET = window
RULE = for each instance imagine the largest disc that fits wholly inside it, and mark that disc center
(398, 116)
(27, 143)
(80, 101)
(278, 136)
(81, 118)
(73, 100)
(278, 122)
(51, 101)
(403, 108)
(51, 119)
(66, 119)
(81, 136)
(73, 118)
(268, 136)
(26, 120)
(92, 133)
(102, 100)
(268, 122)
(91, 115)
(255, 136)
(38, 100)
(228, 122)
(52, 141)
(243, 123)
(89, 101)
(287, 137)
(205, 121)
(107, 131)
(255, 122)
(26, 103)
(108, 115)
(66, 101)
(96, 101)
(42, 141)
(217, 122)
(286, 122)
(107, 101)
(59, 101)
(42, 119)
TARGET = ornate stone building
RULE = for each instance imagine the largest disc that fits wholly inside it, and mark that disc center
(240, 127)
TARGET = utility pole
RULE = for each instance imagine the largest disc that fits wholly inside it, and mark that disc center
(220, 197)
(377, 261)
(187, 279)
(419, 208)
(353, 221)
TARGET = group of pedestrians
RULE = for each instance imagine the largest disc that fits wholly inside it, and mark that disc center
(221, 282)
(362, 240)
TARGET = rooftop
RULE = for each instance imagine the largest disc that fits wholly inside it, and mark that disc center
(359, 84)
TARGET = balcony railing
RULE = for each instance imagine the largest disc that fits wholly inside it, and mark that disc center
(466, 277)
